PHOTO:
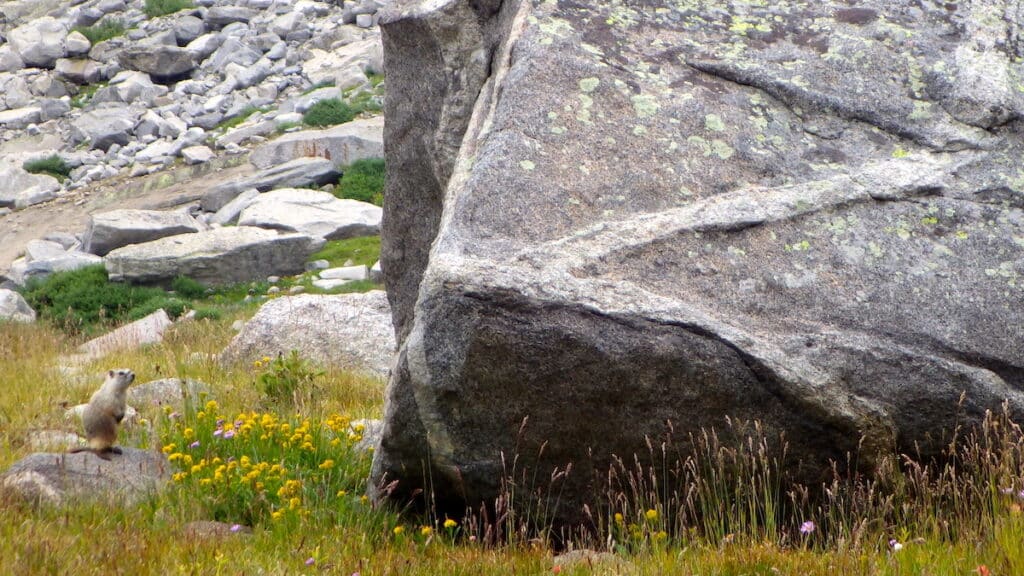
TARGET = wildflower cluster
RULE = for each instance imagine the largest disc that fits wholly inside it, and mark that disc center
(645, 527)
(257, 466)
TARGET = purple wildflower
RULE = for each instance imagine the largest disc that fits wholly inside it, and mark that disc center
(895, 545)
(194, 444)
(229, 434)
(310, 561)
(807, 527)
(218, 432)
(236, 527)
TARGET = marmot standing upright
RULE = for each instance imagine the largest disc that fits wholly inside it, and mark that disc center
(104, 412)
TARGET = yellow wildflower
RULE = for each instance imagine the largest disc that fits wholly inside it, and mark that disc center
(398, 530)
(426, 530)
(189, 433)
(294, 503)
(342, 493)
(651, 514)
(168, 448)
(212, 406)
(327, 464)
(619, 519)
(266, 358)
(449, 523)
(661, 535)
(276, 515)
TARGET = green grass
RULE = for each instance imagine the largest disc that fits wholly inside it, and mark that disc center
(948, 520)
(104, 30)
(363, 180)
(157, 8)
(242, 116)
(85, 94)
(364, 250)
(53, 165)
(329, 112)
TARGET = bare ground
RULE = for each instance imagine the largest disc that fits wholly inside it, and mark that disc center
(163, 190)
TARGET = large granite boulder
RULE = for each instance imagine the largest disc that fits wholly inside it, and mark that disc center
(214, 257)
(162, 62)
(14, 308)
(110, 230)
(345, 330)
(808, 214)
(342, 145)
(312, 212)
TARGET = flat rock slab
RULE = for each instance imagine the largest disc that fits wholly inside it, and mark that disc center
(19, 188)
(297, 172)
(346, 330)
(214, 257)
(148, 330)
(111, 230)
(57, 479)
(342, 145)
(166, 392)
(313, 213)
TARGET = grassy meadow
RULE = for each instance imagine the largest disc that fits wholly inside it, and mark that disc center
(270, 451)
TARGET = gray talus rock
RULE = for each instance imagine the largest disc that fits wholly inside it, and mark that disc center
(298, 172)
(79, 70)
(818, 230)
(346, 330)
(162, 62)
(218, 17)
(342, 145)
(214, 257)
(20, 117)
(312, 212)
(110, 230)
(40, 42)
(19, 188)
(147, 330)
(14, 308)
(166, 392)
(58, 479)
(104, 127)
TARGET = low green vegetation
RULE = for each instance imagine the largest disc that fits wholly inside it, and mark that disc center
(329, 112)
(238, 119)
(85, 94)
(157, 8)
(104, 30)
(355, 251)
(53, 165)
(363, 180)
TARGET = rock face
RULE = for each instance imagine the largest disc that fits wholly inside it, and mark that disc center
(14, 308)
(117, 228)
(215, 257)
(312, 212)
(348, 330)
(807, 214)
(56, 479)
(342, 145)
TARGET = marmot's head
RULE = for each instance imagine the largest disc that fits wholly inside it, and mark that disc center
(119, 379)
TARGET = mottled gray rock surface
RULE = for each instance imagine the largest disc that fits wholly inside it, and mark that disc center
(214, 257)
(57, 479)
(312, 212)
(14, 308)
(804, 213)
(347, 330)
(116, 228)
(342, 145)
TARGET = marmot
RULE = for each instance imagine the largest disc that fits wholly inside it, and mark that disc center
(104, 412)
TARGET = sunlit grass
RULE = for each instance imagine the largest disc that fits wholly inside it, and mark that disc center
(725, 511)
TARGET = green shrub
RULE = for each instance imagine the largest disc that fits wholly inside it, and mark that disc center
(103, 30)
(188, 288)
(363, 180)
(173, 306)
(208, 314)
(329, 113)
(157, 8)
(52, 165)
(285, 377)
(84, 299)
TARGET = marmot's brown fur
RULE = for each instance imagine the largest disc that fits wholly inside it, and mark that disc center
(104, 412)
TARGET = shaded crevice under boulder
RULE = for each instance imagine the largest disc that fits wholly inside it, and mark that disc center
(213, 257)
(55, 479)
(819, 231)
(345, 330)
